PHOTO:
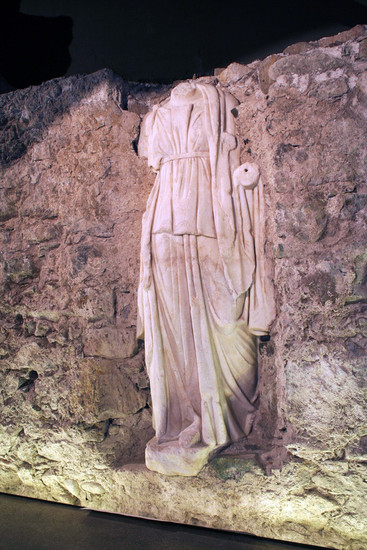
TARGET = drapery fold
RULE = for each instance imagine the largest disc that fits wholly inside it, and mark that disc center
(203, 294)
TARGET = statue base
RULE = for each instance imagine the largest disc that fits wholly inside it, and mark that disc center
(172, 459)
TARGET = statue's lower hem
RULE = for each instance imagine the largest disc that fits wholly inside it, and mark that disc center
(171, 459)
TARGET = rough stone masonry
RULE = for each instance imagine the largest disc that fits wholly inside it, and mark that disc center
(74, 396)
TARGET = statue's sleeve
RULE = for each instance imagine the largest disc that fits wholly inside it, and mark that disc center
(146, 145)
(145, 133)
(262, 302)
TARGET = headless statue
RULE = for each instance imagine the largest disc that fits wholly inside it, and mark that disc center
(202, 294)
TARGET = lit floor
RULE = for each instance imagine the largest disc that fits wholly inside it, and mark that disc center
(27, 524)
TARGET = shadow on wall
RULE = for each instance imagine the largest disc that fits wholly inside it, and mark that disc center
(26, 118)
(32, 48)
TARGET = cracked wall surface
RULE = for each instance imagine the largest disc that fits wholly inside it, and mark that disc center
(74, 395)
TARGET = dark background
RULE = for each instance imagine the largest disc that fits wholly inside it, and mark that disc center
(158, 41)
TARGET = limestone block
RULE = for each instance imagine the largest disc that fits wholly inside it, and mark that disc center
(233, 73)
(111, 342)
(109, 389)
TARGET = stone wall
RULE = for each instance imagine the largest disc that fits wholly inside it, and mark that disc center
(73, 192)
(74, 394)
(303, 119)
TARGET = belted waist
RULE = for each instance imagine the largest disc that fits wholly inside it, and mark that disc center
(193, 155)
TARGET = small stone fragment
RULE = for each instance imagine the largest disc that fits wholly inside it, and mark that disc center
(41, 329)
(233, 73)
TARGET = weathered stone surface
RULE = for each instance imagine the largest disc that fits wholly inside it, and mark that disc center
(74, 395)
(110, 342)
(265, 78)
(299, 47)
(345, 36)
(69, 266)
(234, 72)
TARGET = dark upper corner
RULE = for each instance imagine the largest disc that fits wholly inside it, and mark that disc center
(159, 41)
(32, 48)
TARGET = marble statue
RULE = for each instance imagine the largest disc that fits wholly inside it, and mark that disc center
(203, 293)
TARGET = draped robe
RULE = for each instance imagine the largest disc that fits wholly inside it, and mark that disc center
(202, 297)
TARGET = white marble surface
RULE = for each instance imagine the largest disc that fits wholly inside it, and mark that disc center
(202, 296)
